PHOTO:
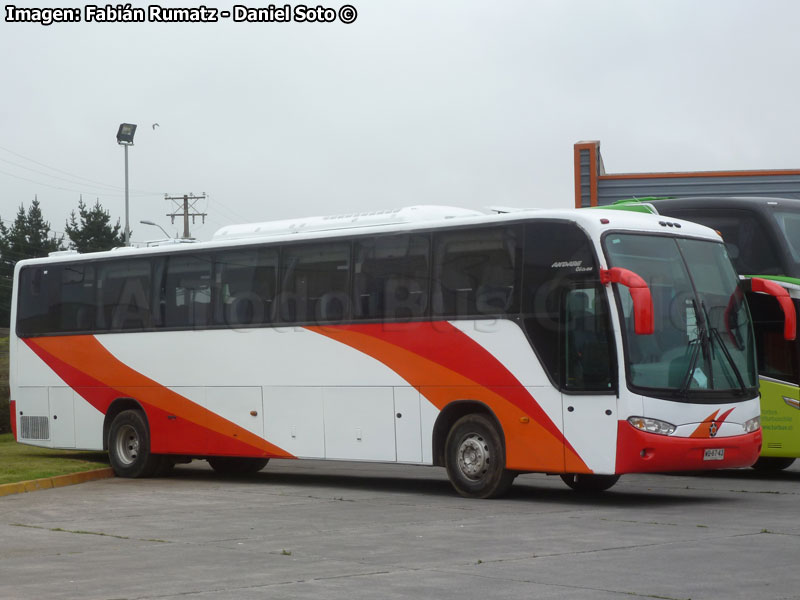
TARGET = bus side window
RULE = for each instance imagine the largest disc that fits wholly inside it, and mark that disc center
(59, 298)
(33, 305)
(315, 280)
(187, 291)
(391, 277)
(245, 287)
(77, 308)
(475, 273)
(124, 292)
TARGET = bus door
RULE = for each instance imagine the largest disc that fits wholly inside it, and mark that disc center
(589, 399)
(779, 375)
(780, 417)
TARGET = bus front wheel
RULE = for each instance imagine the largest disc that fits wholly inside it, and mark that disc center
(235, 465)
(129, 446)
(589, 483)
(475, 458)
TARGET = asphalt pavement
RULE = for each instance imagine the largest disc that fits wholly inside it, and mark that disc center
(358, 530)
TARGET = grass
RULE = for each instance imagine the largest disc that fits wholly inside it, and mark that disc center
(19, 462)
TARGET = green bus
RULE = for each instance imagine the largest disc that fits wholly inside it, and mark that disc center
(763, 239)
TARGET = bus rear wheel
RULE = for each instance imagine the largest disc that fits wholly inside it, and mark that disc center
(129, 446)
(236, 465)
(475, 458)
(589, 483)
(771, 464)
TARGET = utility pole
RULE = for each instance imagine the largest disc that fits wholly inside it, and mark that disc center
(185, 206)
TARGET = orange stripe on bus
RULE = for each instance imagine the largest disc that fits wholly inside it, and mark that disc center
(89, 361)
(536, 445)
(704, 429)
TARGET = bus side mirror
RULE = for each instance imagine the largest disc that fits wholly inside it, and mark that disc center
(756, 284)
(643, 321)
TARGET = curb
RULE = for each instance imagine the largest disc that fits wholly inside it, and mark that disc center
(47, 483)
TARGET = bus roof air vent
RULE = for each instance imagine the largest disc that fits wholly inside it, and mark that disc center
(377, 218)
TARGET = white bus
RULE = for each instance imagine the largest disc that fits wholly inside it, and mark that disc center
(582, 343)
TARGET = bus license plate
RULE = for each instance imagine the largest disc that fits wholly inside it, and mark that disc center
(714, 454)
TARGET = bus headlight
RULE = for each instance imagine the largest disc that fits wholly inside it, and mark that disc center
(752, 425)
(652, 425)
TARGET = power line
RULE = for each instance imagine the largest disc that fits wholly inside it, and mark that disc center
(229, 210)
(67, 172)
(64, 189)
(114, 187)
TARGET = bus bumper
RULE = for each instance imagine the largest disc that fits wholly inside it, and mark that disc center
(642, 452)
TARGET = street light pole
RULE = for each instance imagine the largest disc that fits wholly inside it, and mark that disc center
(125, 135)
(127, 204)
(154, 224)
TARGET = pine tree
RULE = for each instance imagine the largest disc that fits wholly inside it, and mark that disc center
(28, 237)
(93, 233)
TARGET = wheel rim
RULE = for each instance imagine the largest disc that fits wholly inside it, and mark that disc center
(127, 445)
(474, 457)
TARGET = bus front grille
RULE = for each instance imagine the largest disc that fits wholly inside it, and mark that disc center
(34, 428)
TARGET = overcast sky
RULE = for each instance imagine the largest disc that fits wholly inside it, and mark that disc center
(460, 102)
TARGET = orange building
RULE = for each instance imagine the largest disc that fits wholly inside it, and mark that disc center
(595, 187)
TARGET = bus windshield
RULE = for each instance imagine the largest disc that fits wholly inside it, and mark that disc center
(789, 223)
(702, 342)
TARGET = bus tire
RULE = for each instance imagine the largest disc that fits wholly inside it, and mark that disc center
(237, 465)
(581, 482)
(129, 446)
(475, 458)
(772, 464)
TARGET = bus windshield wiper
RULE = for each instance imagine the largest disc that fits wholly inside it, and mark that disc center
(715, 336)
(695, 345)
(698, 344)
